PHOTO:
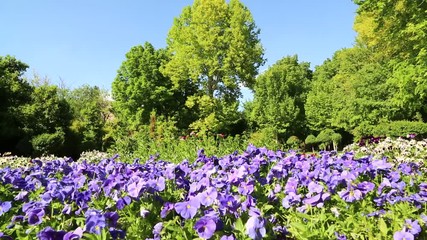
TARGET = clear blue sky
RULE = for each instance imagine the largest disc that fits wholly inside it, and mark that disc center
(85, 41)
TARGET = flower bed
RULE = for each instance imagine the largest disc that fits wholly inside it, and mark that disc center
(254, 195)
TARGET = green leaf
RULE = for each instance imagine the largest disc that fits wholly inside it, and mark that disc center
(383, 227)
(239, 226)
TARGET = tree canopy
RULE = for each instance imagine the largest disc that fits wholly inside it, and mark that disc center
(15, 93)
(280, 95)
(140, 88)
(214, 45)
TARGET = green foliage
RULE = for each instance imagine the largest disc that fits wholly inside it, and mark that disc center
(265, 137)
(356, 88)
(46, 119)
(219, 116)
(408, 83)
(141, 88)
(293, 142)
(141, 145)
(325, 137)
(377, 87)
(214, 45)
(320, 100)
(47, 111)
(91, 114)
(15, 92)
(311, 141)
(280, 95)
(336, 139)
(392, 129)
(384, 25)
(48, 143)
(347, 90)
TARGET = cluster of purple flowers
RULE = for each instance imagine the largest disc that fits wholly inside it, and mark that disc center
(212, 189)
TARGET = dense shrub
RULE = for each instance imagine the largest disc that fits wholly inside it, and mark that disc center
(293, 142)
(391, 129)
(48, 143)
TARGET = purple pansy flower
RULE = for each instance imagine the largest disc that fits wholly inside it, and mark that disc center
(255, 227)
(157, 229)
(167, 207)
(111, 218)
(230, 237)
(5, 207)
(340, 236)
(412, 226)
(135, 187)
(187, 209)
(291, 185)
(424, 218)
(144, 212)
(21, 195)
(402, 235)
(229, 202)
(157, 184)
(5, 237)
(35, 216)
(315, 188)
(246, 188)
(118, 234)
(350, 194)
(205, 227)
(122, 202)
(291, 199)
(50, 234)
(248, 203)
(76, 234)
(208, 197)
(381, 164)
(95, 221)
(365, 187)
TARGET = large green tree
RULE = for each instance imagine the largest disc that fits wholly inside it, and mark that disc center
(46, 120)
(15, 92)
(140, 89)
(396, 32)
(91, 113)
(280, 95)
(215, 45)
(348, 90)
(394, 29)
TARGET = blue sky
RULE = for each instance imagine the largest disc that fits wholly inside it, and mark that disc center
(84, 42)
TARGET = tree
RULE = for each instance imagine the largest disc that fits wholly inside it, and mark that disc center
(310, 141)
(293, 142)
(325, 138)
(280, 95)
(214, 45)
(15, 92)
(349, 89)
(336, 139)
(384, 25)
(91, 112)
(46, 120)
(140, 88)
